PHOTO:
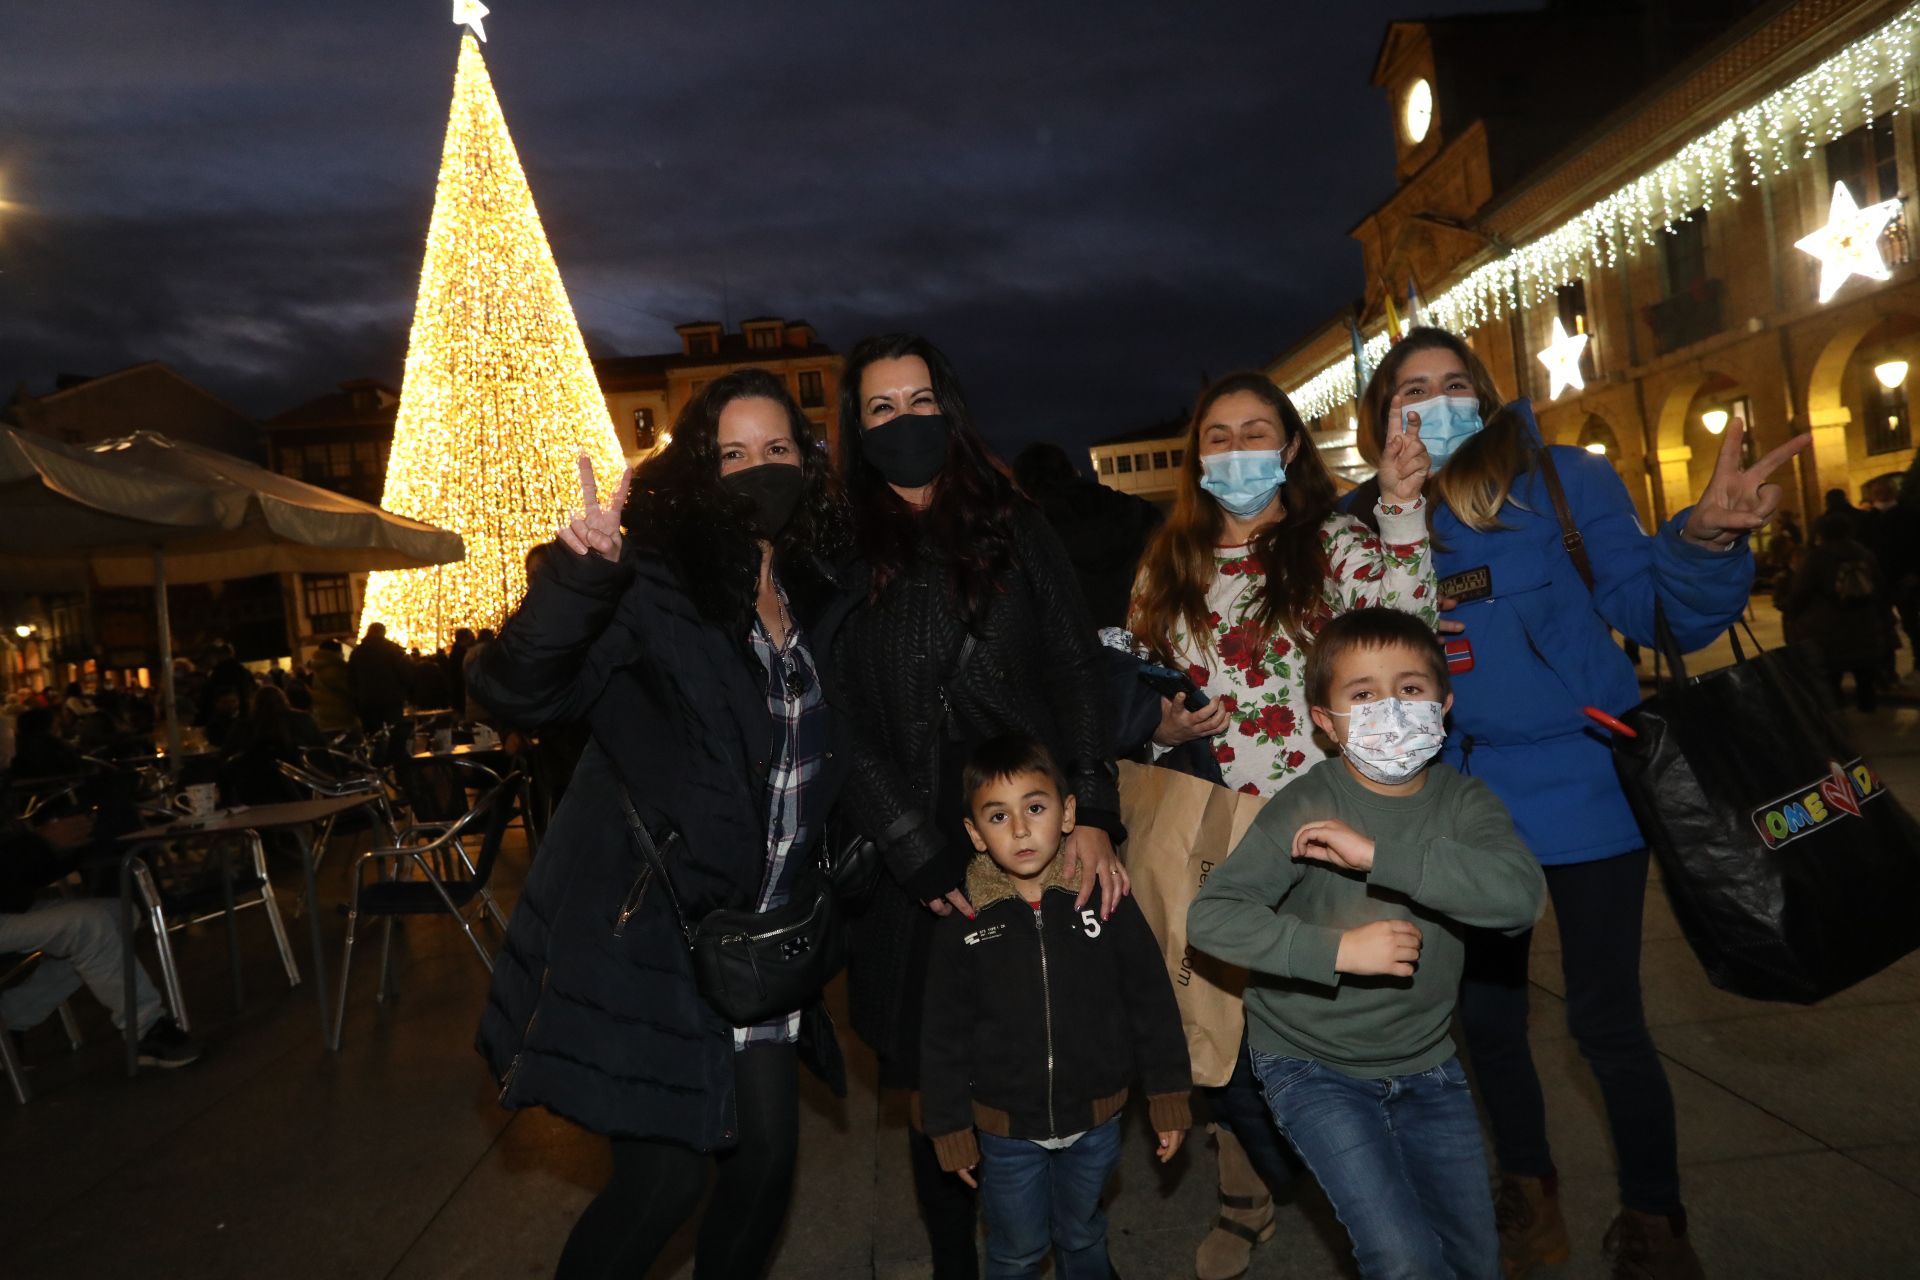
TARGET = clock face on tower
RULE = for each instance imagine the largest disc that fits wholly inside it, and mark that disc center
(1416, 115)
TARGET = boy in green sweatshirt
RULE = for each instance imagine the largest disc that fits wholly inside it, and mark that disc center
(1349, 899)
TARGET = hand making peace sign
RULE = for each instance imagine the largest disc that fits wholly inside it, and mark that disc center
(596, 530)
(1404, 462)
(1737, 499)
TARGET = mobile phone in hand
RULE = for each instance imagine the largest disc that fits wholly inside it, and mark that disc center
(1169, 683)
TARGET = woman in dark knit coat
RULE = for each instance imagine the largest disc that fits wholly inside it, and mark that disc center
(974, 627)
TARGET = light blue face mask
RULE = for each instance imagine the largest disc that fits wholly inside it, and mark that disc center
(1245, 480)
(1446, 423)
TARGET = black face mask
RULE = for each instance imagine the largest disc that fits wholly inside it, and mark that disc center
(908, 450)
(773, 488)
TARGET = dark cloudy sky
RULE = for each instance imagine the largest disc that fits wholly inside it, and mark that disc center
(1087, 204)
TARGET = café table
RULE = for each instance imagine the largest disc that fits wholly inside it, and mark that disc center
(493, 756)
(240, 819)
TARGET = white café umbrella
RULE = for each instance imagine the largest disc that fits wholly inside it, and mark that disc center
(145, 510)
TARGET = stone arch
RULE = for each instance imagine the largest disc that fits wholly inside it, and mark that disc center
(1680, 436)
(1596, 430)
(1834, 372)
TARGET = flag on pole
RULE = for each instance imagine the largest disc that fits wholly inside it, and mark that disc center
(1416, 305)
(1361, 373)
(1395, 331)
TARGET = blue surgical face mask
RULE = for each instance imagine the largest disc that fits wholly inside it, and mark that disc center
(1446, 423)
(1245, 480)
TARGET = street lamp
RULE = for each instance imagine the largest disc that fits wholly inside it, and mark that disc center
(1597, 448)
(1714, 420)
(23, 630)
(1891, 373)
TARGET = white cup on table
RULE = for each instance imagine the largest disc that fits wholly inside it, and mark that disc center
(198, 800)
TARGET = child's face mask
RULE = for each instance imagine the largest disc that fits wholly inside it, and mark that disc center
(1389, 740)
(1446, 423)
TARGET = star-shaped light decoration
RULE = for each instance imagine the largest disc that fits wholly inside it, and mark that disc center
(1849, 245)
(1562, 358)
(469, 13)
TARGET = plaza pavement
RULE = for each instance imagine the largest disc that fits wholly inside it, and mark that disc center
(1799, 1134)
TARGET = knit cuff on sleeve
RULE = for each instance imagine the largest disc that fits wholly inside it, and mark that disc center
(1312, 954)
(1399, 867)
(936, 878)
(957, 1151)
(1169, 1111)
(1407, 525)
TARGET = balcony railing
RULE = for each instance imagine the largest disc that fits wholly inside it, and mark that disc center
(1690, 316)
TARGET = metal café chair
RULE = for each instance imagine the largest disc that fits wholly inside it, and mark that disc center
(178, 890)
(13, 967)
(326, 774)
(438, 888)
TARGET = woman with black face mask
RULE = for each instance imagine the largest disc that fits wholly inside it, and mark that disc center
(974, 627)
(693, 645)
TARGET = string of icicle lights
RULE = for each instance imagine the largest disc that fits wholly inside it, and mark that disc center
(1745, 149)
(500, 398)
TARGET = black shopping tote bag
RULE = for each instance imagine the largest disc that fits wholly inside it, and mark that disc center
(1793, 869)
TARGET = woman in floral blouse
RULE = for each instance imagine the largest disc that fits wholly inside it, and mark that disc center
(1253, 562)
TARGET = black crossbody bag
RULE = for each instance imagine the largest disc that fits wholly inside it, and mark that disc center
(750, 965)
(755, 965)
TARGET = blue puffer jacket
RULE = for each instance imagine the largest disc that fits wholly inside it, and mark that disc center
(1542, 651)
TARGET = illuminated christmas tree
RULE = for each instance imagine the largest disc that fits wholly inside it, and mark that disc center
(500, 398)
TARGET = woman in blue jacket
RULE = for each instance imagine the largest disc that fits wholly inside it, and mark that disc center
(1530, 646)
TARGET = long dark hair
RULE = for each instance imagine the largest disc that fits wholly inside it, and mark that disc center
(1178, 566)
(968, 520)
(679, 512)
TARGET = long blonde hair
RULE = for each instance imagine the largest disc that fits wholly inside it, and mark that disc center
(1178, 565)
(1477, 479)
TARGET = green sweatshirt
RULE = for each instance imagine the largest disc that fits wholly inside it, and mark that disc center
(1445, 858)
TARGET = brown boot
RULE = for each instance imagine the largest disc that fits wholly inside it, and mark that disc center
(1532, 1232)
(1651, 1246)
(1246, 1215)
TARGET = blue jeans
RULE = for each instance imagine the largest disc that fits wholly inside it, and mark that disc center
(1032, 1197)
(1400, 1159)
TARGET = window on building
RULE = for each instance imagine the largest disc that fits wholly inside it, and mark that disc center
(1889, 426)
(764, 339)
(1864, 159)
(1179, 457)
(1139, 462)
(1105, 464)
(643, 428)
(1126, 464)
(1684, 253)
(329, 602)
(292, 460)
(703, 344)
(813, 392)
(1160, 460)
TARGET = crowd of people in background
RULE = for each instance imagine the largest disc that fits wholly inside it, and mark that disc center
(1854, 588)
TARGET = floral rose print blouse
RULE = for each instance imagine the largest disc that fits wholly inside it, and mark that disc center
(1269, 736)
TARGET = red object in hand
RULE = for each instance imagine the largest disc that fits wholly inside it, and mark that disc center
(1612, 722)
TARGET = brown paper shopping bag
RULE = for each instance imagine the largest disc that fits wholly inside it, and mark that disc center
(1179, 828)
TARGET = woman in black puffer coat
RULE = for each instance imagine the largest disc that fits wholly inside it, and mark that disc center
(689, 648)
(967, 578)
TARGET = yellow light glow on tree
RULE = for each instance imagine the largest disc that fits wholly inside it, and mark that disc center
(500, 397)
